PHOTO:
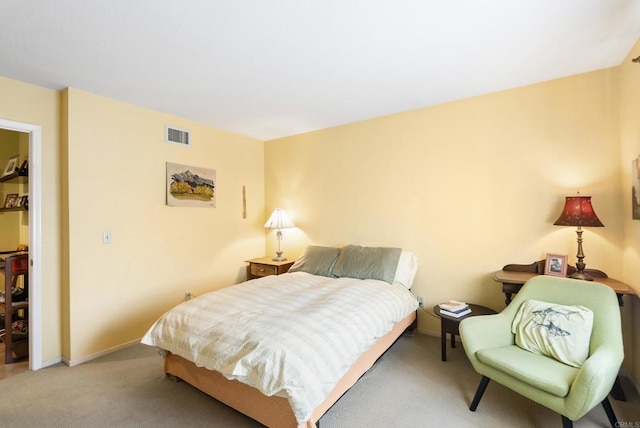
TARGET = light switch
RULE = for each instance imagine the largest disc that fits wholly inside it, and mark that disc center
(106, 237)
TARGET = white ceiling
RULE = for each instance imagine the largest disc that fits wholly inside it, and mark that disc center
(273, 68)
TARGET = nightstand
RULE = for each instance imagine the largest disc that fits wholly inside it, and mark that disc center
(265, 266)
(450, 324)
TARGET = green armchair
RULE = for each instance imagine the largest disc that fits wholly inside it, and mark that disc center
(570, 391)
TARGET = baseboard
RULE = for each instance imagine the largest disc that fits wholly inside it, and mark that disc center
(51, 362)
(108, 351)
(429, 332)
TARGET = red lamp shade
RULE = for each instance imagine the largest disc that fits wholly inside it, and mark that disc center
(578, 212)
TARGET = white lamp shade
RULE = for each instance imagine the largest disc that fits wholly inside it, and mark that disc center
(279, 220)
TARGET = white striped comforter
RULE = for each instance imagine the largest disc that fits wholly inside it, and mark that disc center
(292, 335)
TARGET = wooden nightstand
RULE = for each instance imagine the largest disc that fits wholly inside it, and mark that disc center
(264, 266)
(450, 324)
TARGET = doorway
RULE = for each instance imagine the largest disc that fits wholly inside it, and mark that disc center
(35, 301)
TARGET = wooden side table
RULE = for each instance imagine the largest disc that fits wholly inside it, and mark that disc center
(514, 276)
(451, 325)
(265, 266)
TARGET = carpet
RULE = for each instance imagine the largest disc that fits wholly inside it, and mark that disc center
(408, 387)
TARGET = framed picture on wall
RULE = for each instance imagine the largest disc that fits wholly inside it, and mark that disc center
(556, 265)
(190, 186)
(12, 164)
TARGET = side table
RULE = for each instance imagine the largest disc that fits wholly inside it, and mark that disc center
(265, 266)
(450, 324)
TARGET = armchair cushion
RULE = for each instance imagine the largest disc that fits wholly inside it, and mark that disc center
(558, 331)
(537, 370)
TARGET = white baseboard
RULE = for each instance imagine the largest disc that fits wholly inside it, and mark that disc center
(428, 332)
(50, 363)
(108, 351)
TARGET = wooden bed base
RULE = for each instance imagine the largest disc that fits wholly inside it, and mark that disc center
(275, 411)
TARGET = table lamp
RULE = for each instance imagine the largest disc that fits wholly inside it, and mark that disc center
(279, 220)
(579, 212)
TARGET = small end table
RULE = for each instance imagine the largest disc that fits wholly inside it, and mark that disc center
(265, 266)
(450, 324)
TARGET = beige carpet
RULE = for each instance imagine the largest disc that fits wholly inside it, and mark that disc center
(408, 387)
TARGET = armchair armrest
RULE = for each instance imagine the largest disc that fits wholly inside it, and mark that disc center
(487, 331)
(594, 381)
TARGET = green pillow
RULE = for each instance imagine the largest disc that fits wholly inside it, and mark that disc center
(557, 331)
(316, 260)
(360, 262)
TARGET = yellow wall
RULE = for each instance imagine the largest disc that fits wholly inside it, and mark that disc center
(630, 149)
(468, 186)
(103, 168)
(22, 102)
(116, 182)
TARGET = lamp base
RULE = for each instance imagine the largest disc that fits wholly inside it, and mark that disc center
(582, 276)
(278, 257)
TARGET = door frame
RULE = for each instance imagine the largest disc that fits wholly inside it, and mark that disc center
(35, 271)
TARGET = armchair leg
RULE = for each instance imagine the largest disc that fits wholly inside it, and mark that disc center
(481, 388)
(567, 423)
(613, 420)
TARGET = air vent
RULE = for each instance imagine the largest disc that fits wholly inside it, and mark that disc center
(178, 136)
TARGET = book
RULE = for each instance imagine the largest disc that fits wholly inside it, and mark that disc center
(453, 306)
(455, 314)
(455, 311)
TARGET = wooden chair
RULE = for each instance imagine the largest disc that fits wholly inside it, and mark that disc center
(15, 266)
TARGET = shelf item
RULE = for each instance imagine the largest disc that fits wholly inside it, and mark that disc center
(15, 202)
(17, 176)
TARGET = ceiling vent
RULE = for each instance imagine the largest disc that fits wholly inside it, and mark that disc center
(178, 136)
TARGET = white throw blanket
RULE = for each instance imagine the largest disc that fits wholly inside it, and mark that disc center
(293, 335)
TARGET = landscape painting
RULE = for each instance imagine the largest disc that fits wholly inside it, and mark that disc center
(190, 186)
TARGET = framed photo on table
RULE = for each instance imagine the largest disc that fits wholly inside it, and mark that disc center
(556, 265)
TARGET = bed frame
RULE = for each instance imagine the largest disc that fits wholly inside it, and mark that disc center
(275, 411)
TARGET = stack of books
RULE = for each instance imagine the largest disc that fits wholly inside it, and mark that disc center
(455, 309)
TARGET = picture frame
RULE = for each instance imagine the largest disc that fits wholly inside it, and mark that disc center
(20, 200)
(24, 168)
(12, 164)
(190, 186)
(556, 265)
(10, 200)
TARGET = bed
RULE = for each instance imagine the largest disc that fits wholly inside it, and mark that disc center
(283, 349)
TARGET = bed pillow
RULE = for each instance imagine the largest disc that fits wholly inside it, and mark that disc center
(406, 270)
(316, 260)
(557, 331)
(360, 262)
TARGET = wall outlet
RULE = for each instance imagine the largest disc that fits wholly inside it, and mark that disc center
(420, 301)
